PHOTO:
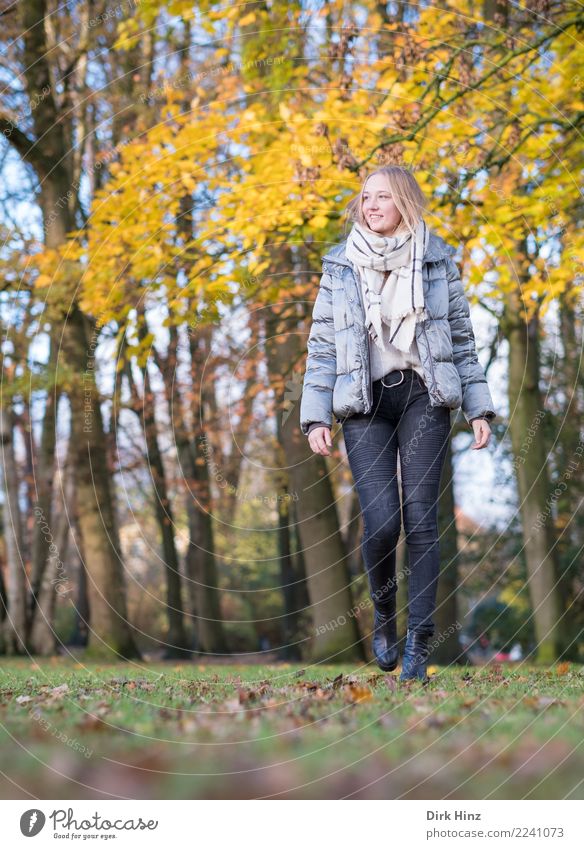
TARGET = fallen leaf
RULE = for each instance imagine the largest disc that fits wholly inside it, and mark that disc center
(357, 693)
(541, 702)
(324, 695)
(246, 696)
(308, 685)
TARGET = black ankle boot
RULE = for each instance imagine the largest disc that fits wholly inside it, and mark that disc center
(415, 657)
(384, 643)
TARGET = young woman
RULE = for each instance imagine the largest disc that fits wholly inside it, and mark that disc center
(391, 351)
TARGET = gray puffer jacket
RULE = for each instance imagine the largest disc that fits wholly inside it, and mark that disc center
(337, 380)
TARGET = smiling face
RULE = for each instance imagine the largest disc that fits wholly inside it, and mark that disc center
(379, 210)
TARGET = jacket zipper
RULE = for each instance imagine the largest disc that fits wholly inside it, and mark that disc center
(435, 387)
(369, 403)
(370, 377)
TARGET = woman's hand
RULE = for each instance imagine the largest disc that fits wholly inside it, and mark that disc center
(482, 433)
(320, 440)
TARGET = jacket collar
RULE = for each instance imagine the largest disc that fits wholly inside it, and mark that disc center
(436, 249)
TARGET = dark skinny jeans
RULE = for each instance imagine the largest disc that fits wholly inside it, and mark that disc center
(402, 418)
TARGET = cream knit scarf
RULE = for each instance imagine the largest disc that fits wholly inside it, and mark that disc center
(391, 269)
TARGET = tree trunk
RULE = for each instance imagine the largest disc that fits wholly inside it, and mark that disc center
(335, 635)
(567, 374)
(211, 633)
(299, 565)
(110, 630)
(56, 579)
(3, 611)
(527, 439)
(290, 632)
(82, 612)
(290, 621)
(200, 565)
(41, 541)
(15, 621)
(177, 643)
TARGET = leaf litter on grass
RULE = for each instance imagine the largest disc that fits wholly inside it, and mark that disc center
(311, 722)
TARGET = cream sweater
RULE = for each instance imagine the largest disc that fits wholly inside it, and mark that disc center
(383, 362)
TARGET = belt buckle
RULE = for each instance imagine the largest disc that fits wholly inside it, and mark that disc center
(389, 385)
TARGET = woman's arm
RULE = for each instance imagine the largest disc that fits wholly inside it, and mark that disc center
(476, 396)
(321, 362)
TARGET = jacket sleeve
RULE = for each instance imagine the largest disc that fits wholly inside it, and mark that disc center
(476, 397)
(313, 425)
(321, 362)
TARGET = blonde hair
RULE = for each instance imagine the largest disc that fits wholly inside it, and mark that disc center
(405, 192)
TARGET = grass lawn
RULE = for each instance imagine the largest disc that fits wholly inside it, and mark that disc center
(71, 731)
